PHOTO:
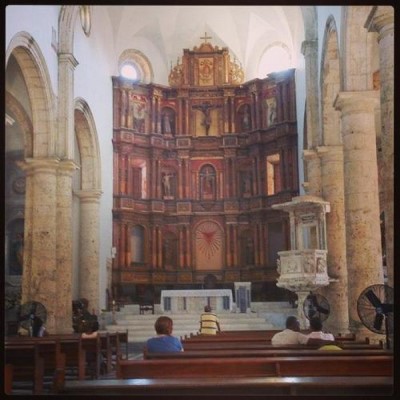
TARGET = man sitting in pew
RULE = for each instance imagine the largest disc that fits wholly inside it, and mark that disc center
(164, 341)
(292, 335)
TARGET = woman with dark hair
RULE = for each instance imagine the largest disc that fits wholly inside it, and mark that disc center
(164, 341)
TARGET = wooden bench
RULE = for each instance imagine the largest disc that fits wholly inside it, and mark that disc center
(262, 353)
(260, 345)
(265, 333)
(380, 365)
(35, 358)
(245, 386)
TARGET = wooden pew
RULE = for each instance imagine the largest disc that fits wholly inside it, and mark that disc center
(92, 348)
(8, 378)
(263, 334)
(75, 354)
(380, 365)
(245, 386)
(123, 340)
(262, 353)
(31, 357)
(189, 345)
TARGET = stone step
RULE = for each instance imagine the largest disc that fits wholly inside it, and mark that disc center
(140, 327)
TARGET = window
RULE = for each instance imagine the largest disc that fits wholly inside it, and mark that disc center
(134, 65)
(129, 71)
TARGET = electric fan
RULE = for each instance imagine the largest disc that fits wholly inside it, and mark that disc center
(316, 306)
(29, 311)
(375, 309)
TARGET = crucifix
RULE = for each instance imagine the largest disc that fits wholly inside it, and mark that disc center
(205, 109)
(205, 37)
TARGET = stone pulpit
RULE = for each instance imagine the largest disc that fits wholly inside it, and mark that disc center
(304, 268)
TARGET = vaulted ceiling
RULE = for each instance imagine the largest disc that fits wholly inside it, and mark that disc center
(162, 32)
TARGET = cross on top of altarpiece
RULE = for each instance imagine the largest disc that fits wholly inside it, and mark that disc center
(205, 37)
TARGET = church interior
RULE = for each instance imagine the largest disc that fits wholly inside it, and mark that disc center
(159, 151)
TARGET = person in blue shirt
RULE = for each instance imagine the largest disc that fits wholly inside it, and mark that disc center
(164, 341)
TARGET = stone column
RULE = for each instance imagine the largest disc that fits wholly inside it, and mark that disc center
(333, 191)
(312, 184)
(89, 247)
(381, 20)
(363, 241)
(64, 246)
(65, 120)
(40, 277)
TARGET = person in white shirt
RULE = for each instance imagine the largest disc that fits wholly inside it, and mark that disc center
(316, 330)
(292, 335)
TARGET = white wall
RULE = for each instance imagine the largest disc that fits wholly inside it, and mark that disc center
(92, 82)
(39, 22)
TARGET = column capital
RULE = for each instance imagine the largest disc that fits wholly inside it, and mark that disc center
(29, 165)
(67, 167)
(309, 154)
(308, 46)
(381, 20)
(89, 196)
(68, 58)
(357, 101)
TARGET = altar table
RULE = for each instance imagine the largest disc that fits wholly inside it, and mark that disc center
(178, 301)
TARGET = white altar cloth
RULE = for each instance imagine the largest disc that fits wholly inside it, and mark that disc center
(195, 300)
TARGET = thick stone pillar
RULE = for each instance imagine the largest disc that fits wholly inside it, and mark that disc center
(333, 191)
(363, 241)
(381, 20)
(46, 210)
(312, 184)
(89, 247)
(64, 246)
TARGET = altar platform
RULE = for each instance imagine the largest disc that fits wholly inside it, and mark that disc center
(180, 301)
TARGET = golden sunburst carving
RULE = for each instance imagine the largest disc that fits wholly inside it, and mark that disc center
(208, 239)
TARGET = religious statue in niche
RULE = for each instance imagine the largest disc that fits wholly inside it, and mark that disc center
(247, 180)
(206, 108)
(271, 111)
(138, 116)
(168, 119)
(168, 184)
(246, 118)
(207, 183)
(249, 251)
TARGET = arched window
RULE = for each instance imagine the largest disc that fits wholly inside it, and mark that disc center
(134, 65)
(276, 57)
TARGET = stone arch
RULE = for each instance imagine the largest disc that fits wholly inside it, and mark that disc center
(33, 66)
(86, 134)
(66, 23)
(358, 71)
(24, 122)
(330, 85)
(86, 207)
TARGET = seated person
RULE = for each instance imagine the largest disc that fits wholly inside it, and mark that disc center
(209, 324)
(292, 335)
(164, 341)
(316, 330)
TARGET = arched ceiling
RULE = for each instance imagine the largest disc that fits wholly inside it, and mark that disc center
(162, 32)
